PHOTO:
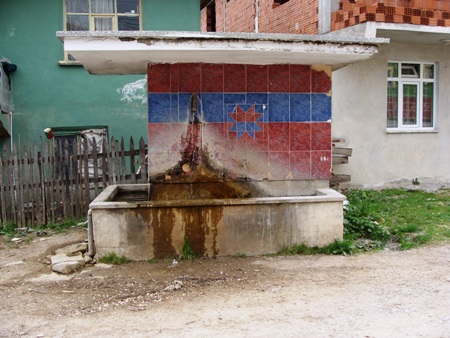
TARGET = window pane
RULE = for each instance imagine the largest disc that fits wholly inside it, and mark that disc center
(128, 6)
(102, 6)
(392, 69)
(103, 24)
(410, 70)
(410, 104)
(128, 23)
(428, 97)
(392, 104)
(428, 71)
(77, 23)
(77, 6)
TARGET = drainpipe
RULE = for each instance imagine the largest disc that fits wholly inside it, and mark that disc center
(91, 249)
(224, 13)
(256, 16)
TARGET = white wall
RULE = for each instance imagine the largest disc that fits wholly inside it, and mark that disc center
(359, 116)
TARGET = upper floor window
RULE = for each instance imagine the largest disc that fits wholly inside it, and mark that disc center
(102, 15)
(411, 95)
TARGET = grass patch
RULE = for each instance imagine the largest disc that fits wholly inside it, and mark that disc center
(239, 255)
(410, 218)
(112, 258)
(153, 260)
(336, 248)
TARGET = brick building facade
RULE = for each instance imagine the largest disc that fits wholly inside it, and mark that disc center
(262, 16)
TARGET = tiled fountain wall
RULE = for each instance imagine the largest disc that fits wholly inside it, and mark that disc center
(257, 122)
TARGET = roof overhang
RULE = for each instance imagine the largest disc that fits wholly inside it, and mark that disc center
(397, 32)
(125, 52)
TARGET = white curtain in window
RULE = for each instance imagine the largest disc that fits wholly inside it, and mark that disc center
(103, 24)
(102, 6)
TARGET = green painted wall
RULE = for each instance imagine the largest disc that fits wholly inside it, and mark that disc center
(49, 95)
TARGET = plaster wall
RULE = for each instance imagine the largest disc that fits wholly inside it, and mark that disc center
(359, 116)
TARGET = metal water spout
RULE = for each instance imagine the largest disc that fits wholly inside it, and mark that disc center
(191, 155)
(194, 116)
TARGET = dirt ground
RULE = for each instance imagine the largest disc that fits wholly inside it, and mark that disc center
(383, 294)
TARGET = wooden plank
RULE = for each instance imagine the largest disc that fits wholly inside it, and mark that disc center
(42, 183)
(143, 165)
(340, 160)
(77, 200)
(38, 186)
(16, 185)
(339, 178)
(105, 162)
(338, 140)
(123, 169)
(2, 195)
(342, 151)
(95, 165)
(86, 175)
(132, 165)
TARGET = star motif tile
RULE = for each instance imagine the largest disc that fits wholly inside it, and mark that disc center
(246, 121)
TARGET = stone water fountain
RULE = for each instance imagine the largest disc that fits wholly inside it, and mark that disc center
(239, 162)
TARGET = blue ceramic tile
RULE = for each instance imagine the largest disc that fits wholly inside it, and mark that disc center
(174, 107)
(159, 108)
(278, 107)
(320, 107)
(256, 98)
(261, 109)
(300, 106)
(230, 109)
(184, 106)
(212, 107)
(235, 98)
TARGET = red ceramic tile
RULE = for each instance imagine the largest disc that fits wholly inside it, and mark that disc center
(158, 133)
(256, 79)
(262, 135)
(300, 164)
(189, 79)
(174, 78)
(278, 136)
(300, 136)
(278, 165)
(212, 78)
(300, 79)
(321, 136)
(158, 79)
(254, 145)
(279, 78)
(320, 82)
(321, 165)
(212, 130)
(234, 78)
(258, 169)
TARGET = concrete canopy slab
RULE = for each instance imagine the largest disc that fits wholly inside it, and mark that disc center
(124, 52)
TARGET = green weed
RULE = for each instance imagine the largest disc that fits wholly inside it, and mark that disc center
(186, 252)
(112, 258)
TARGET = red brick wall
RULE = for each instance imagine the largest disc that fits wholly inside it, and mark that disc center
(294, 16)
(203, 20)
(416, 12)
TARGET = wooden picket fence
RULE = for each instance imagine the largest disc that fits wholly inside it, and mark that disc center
(50, 181)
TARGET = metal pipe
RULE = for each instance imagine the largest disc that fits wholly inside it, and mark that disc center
(91, 249)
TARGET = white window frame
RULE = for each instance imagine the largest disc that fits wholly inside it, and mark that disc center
(419, 81)
(91, 15)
